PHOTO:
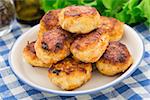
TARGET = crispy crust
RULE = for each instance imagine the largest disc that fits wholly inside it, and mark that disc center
(49, 21)
(79, 19)
(47, 48)
(69, 74)
(73, 11)
(116, 59)
(89, 47)
(83, 42)
(116, 53)
(111, 26)
(55, 39)
(30, 56)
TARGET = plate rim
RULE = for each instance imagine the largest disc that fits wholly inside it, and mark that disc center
(73, 93)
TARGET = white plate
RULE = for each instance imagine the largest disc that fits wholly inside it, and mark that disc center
(38, 78)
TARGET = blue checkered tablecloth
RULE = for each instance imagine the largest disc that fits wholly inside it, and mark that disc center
(135, 87)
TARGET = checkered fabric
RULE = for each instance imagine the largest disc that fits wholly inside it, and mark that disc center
(135, 87)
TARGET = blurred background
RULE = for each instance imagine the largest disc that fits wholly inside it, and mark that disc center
(131, 12)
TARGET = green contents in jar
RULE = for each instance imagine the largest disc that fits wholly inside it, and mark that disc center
(28, 10)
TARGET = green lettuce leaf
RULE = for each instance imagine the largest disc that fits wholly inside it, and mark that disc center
(128, 11)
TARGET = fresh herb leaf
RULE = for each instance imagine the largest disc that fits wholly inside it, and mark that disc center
(128, 11)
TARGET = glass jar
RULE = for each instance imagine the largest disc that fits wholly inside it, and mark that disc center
(28, 11)
(7, 16)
